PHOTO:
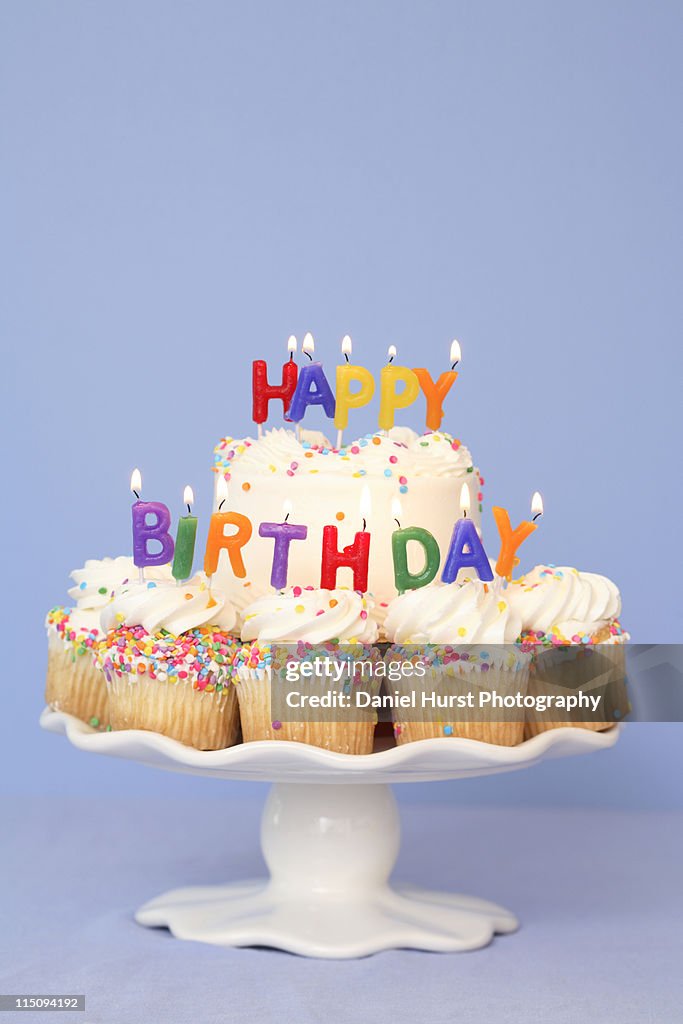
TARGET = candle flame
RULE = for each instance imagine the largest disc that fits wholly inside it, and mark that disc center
(456, 354)
(346, 346)
(536, 505)
(465, 503)
(291, 343)
(365, 503)
(221, 490)
(391, 352)
(396, 510)
(136, 481)
(286, 510)
(188, 496)
(308, 345)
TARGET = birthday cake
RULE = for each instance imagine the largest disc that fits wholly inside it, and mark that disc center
(382, 478)
(329, 549)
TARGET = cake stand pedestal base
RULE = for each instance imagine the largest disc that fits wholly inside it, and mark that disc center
(330, 850)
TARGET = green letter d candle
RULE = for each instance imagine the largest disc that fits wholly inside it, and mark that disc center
(403, 578)
(185, 539)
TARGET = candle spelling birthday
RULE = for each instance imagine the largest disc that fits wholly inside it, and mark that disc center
(400, 539)
(466, 550)
(282, 534)
(151, 522)
(185, 540)
(511, 540)
(233, 542)
(354, 556)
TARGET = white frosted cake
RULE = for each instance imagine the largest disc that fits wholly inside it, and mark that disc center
(324, 486)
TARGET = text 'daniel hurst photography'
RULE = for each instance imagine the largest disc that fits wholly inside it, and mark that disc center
(341, 475)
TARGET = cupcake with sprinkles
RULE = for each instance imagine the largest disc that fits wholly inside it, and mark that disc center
(463, 636)
(303, 624)
(570, 624)
(74, 685)
(166, 655)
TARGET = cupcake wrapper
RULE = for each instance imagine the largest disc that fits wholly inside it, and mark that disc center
(198, 718)
(501, 729)
(75, 686)
(254, 693)
(545, 678)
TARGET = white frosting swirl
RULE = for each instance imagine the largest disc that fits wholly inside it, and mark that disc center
(316, 616)
(431, 454)
(446, 613)
(564, 601)
(101, 577)
(170, 606)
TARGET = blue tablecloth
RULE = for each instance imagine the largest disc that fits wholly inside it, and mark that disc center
(599, 894)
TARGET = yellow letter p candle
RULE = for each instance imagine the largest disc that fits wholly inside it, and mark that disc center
(391, 399)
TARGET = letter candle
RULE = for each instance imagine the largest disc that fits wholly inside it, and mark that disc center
(390, 399)
(354, 556)
(283, 534)
(400, 538)
(435, 393)
(263, 392)
(144, 531)
(185, 538)
(217, 539)
(511, 540)
(312, 386)
(348, 374)
(466, 550)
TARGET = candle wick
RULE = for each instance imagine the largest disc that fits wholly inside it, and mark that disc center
(286, 518)
(309, 355)
(397, 522)
(464, 513)
(291, 356)
(536, 517)
(189, 511)
(391, 359)
(136, 495)
(221, 504)
(455, 364)
(364, 526)
(346, 356)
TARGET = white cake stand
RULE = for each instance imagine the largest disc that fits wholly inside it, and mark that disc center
(330, 836)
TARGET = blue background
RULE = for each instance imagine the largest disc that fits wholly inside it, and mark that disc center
(183, 185)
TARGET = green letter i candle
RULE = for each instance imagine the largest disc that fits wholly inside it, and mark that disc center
(185, 539)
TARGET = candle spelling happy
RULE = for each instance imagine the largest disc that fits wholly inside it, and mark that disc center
(263, 392)
(312, 386)
(435, 393)
(348, 374)
(390, 398)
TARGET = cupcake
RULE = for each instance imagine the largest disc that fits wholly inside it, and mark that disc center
(463, 638)
(336, 624)
(570, 624)
(167, 658)
(74, 684)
